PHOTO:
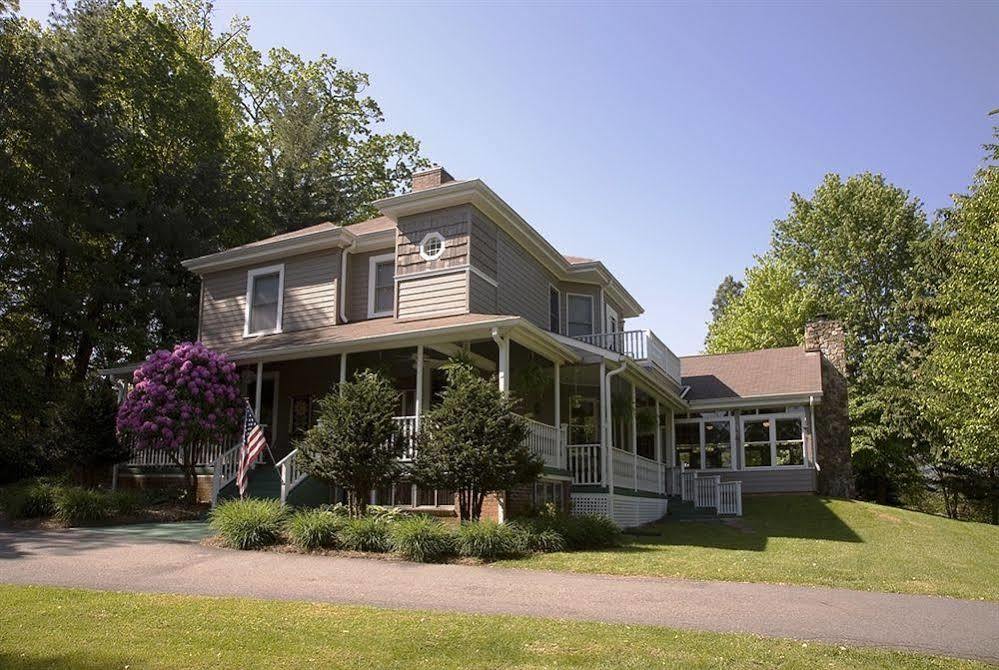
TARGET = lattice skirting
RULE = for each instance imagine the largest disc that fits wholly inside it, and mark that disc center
(629, 511)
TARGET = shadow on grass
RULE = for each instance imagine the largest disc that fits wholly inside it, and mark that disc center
(15, 661)
(803, 517)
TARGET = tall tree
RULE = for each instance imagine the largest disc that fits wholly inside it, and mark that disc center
(728, 291)
(962, 369)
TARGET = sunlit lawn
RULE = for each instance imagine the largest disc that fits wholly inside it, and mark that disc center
(42, 627)
(810, 540)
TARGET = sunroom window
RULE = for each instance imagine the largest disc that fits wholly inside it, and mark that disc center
(775, 440)
(704, 443)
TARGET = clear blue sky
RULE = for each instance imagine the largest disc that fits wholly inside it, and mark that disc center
(664, 139)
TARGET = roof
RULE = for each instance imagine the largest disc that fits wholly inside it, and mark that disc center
(375, 225)
(752, 374)
(577, 260)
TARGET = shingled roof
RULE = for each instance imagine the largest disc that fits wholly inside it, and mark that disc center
(751, 374)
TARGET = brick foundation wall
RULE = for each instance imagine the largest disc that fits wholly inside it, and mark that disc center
(142, 482)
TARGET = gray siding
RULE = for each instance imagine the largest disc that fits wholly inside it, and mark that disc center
(523, 282)
(482, 295)
(452, 223)
(436, 295)
(483, 244)
(357, 283)
(773, 481)
(310, 287)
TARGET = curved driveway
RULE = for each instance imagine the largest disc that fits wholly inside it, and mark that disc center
(168, 559)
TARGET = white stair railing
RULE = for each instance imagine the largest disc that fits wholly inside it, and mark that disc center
(706, 491)
(730, 498)
(224, 471)
(407, 424)
(687, 482)
(290, 473)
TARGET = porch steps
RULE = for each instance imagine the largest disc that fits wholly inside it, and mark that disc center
(679, 510)
(265, 482)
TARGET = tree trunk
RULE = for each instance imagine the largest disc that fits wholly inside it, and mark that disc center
(184, 457)
(85, 347)
(55, 325)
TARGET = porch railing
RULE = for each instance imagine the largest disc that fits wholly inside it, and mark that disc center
(204, 454)
(407, 424)
(730, 498)
(546, 441)
(647, 474)
(640, 345)
(706, 491)
(224, 471)
(673, 475)
(290, 473)
(585, 462)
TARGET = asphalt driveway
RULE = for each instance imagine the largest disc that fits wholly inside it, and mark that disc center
(166, 558)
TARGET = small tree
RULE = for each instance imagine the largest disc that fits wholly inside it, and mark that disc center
(180, 400)
(356, 443)
(472, 442)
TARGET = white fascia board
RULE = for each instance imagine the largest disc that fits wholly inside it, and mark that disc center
(756, 400)
(476, 192)
(261, 253)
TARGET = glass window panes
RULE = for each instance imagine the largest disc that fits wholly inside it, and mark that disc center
(790, 453)
(580, 321)
(756, 431)
(384, 286)
(788, 429)
(264, 303)
(689, 456)
(757, 454)
(688, 434)
(554, 317)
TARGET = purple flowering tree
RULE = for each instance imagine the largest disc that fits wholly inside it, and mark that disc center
(179, 400)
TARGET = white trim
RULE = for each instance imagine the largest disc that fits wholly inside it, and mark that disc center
(703, 442)
(552, 287)
(269, 250)
(251, 275)
(373, 263)
(593, 314)
(773, 418)
(432, 235)
(750, 402)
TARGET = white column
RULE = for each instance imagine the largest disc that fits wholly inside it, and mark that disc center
(259, 389)
(560, 452)
(419, 385)
(343, 369)
(634, 436)
(504, 365)
(659, 449)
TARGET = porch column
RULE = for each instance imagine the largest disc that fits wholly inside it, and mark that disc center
(560, 455)
(658, 438)
(634, 437)
(259, 390)
(343, 370)
(503, 371)
(418, 402)
(605, 442)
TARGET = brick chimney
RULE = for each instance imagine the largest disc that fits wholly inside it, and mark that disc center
(430, 177)
(832, 416)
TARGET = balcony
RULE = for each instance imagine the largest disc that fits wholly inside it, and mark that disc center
(642, 346)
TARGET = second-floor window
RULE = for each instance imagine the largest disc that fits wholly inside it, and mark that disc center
(264, 289)
(554, 310)
(381, 285)
(580, 314)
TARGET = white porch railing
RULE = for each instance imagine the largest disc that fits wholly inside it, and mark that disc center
(706, 491)
(687, 480)
(647, 473)
(407, 424)
(624, 467)
(673, 480)
(224, 471)
(204, 454)
(640, 345)
(546, 442)
(290, 473)
(585, 463)
(730, 498)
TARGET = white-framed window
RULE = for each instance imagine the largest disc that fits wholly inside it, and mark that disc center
(381, 285)
(554, 309)
(775, 440)
(406, 494)
(432, 246)
(706, 442)
(264, 300)
(579, 310)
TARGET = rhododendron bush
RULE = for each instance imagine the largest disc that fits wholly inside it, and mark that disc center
(181, 399)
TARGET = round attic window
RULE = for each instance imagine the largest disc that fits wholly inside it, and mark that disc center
(432, 247)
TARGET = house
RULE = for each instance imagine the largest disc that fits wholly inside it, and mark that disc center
(451, 268)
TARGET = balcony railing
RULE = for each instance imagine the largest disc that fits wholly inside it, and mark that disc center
(639, 345)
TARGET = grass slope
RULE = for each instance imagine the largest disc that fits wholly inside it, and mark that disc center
(43, 627)
(810, 540)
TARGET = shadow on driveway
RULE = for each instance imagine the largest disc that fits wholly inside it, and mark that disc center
(15, 544)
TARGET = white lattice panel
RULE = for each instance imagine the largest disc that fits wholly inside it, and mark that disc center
(589, 503)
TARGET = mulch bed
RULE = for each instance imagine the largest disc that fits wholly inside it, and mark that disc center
(216, 542)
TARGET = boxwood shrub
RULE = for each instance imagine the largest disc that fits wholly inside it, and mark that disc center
(421, 538)
(250, 523)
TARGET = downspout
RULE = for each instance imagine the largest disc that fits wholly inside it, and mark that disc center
(606, 427)
(343, 280)
(503, 368)
(811, 411)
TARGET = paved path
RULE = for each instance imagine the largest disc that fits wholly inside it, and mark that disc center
(168, 560)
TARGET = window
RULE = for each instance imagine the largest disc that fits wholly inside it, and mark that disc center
(264, 300)
(407, 494)
(773, 440)
(432, 246)
(381, 285)
(554, 310)
(704, 442)
(580, 309)
(547, 493)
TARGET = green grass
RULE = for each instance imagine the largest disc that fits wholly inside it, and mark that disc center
(809, 540)
(42, 627)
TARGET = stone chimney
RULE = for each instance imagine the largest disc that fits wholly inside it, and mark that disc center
(832, 416)
(827, 335)
(430, 177)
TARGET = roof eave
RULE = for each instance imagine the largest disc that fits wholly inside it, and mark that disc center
(269, 251)
(749, 401)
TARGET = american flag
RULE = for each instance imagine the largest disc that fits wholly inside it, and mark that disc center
(253, 445)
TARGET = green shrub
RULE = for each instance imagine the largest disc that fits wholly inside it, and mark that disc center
(365, 534)
(125, 502)
(314, 529)
(536, 537)
(75, 505)
(29, 501)
(421, 538)
(250, 523)
(487, 540)
(384, 513)
(589, 531)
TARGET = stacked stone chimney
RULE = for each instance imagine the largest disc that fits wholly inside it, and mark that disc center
(431, 177)
(832, 417)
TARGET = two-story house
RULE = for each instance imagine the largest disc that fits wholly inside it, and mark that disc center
(450, 268)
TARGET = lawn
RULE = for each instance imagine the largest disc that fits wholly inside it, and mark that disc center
(42, 627)
(809, 540)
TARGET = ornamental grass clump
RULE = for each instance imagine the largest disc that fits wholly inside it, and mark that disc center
(29, 501)
(487, 540)
(311, 529)
(250, 523)
(422, 538)
(75, 505)
(365, 534)
(533, 537)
